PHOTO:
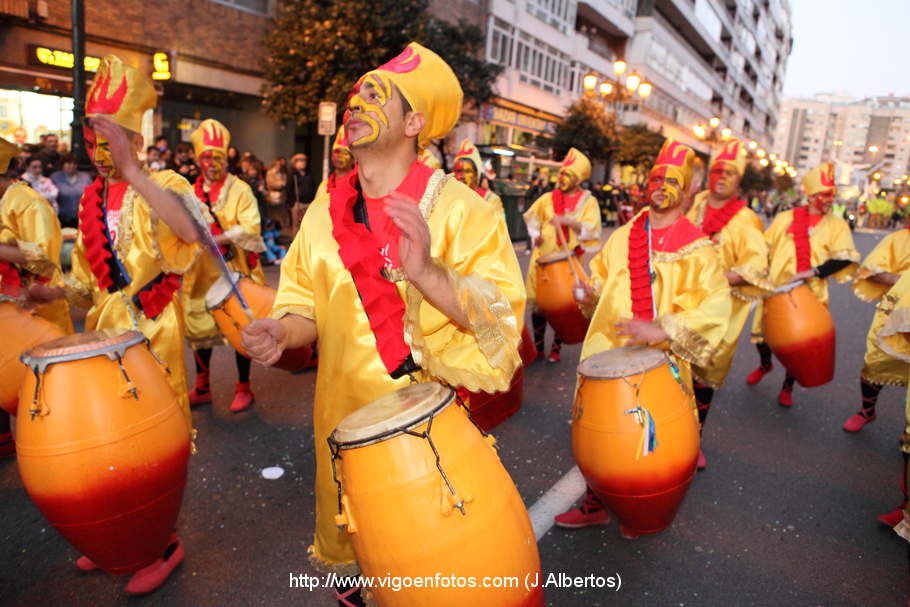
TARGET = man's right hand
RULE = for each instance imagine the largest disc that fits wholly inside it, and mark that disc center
(265, 340)
(538, 240)
(39, 294)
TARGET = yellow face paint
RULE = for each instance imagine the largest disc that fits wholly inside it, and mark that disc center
(465, 172)
(566, 180)
(366, 106)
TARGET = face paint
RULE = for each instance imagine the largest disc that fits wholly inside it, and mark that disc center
(99, 152)
(723, 181)
(822, 201)
(212, 165)
(663, 192)
(567, 181)
(465, 172)
(342, 159)
(366, 108)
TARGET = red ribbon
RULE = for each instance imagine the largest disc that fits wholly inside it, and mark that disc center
(800, 230)
(717, 219)
(640, 270)
(98, 249)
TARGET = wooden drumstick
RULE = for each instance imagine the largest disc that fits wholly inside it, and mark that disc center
(560, 238)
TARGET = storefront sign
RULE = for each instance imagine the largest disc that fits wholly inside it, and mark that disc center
(517, 119)
(57, 58)
(162, 64)
(327, 113)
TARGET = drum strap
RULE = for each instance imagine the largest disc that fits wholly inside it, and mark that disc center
(155, 296)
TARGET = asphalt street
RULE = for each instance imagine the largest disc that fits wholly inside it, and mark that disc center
(784, 514)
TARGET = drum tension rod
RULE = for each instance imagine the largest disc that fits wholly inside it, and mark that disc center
(335, 449)
(129, 382)
(426, 436)
(464, 406)
(35, 410)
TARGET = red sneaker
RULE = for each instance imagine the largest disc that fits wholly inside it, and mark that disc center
(757, 375)
(243, 398)
(892, 518)
(201, 394)
(702, 462)
(150, 578)
(553, 356)
(7, 445)
(591, 512)
(856, 421)
(785, 398)
(83, 563)
(628, 533)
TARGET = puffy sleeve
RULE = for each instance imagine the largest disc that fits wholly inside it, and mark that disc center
(78, 282)
(840, 246)
(750, 259)
(176, 256)
(30, 223)
(589, 236)
(883, 258)
(701, 306)
(894, 336)
(533, 218)
(295, 288)
(471, 243)
(598, 270)
(247, 233)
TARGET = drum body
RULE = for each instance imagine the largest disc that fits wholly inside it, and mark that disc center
(104, 458)
(24, 330)
(231, 318)
(800, 331)
(404, 518)
(490, 410)
(644, 491)
(556, 295)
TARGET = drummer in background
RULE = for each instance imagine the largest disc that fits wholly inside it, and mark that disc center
(400, 270)
(737, 235)
(136, 239)
(806, 243)
(30, 244)
(657, 282)
(466, 169)
(342, 162)
(236, 228)
(575, 212)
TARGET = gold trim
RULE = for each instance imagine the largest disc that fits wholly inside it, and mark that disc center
(242, 239)
(686, 343)
(346, 569)
(698, 379)
(222, 194)
(206, 342)
(903, 528)
(125, 227)
(878, 381)
(665, 257)
(76, 293)
(189, 201)
(754, 277)
(431, 195)
(305, 311)
(36, 259)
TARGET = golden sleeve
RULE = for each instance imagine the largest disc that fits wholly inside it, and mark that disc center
(247, 233)
(598, 270)
(589, 235)
(894, 336)
(295, 287)
(78, 282)
(471, 243)
(176, 256)
(840, 246)
(750, 260)
(30, 223)
(533, 218)
(701, 306)
(883, 258)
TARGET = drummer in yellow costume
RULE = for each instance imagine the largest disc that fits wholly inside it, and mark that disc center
(466, 169)
(876, 275)
(342, 162)
(576, 213)
(237, 230)
(806, 243)
(400, 270)
(137, 236)
(737, 235)
(659, 282)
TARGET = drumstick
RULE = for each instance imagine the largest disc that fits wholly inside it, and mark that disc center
(205, 235)
(560, 238)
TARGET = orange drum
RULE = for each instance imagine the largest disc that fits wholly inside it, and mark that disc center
(230, 317)
(490, 410)
(24, 330)
(412, 515)
(800, 331)
(556, 288)
(103, 445)
(635, 435)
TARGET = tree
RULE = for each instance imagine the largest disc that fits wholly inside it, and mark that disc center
(638, 148)
(759, 180)
(588, 128)
(783, 182)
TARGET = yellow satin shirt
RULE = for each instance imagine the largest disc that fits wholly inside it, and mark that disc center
(238, 215)
(29, 222)
(469, 239)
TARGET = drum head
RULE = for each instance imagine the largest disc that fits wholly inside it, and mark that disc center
(107, 342)
(553, 257)
(392, 414)
(219, 291)
(621, 362)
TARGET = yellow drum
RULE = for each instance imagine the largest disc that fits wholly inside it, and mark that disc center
(422, 492)
(635, 435)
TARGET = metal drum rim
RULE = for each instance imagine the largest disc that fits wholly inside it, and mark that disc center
(643, 368)
(125, 339)
(220, 283)
(554, 257)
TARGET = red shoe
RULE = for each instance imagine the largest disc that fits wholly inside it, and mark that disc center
(7, 445)
(243, 398)
(150, 578)
(785, 398)
(757, 375)
(628, 533)
(554, 356)
(702, 462)
(856, 421)
(201, 394)
(83, 563)
(892, 518)
(591, 512)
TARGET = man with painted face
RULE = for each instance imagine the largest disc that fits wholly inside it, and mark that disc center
(342, 162)
(572, 211)
(806, 243)
(737, 235)
(466, 169)
(136, 239)
(236, 228)
(400, 270)
(657, 282)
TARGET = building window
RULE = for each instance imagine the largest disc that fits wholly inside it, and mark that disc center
(538, 63)
(558, 14)
(258, 7)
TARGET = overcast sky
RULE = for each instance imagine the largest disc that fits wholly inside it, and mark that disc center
(859, 47)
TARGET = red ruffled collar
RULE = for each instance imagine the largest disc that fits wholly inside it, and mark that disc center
(640, 270)
(802, 221)
(716, 220)
(98, 250)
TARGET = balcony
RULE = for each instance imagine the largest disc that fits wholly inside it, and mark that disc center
(616, 17)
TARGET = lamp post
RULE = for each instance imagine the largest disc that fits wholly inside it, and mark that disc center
(616, 91)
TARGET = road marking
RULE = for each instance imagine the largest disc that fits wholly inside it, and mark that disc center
(557, 499)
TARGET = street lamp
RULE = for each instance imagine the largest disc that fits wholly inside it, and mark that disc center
(632, 82)
(726, 133)
(873, 148)
(753, 145)
(606, 89)
(763, 162)
(760, 153)
(619, 67)
(714, 122)
(589, 81)
(699, 131)
(644, 89)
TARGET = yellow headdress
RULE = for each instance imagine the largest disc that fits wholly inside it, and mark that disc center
(8, 151)
(676, 160)
(469, 150)
(341, 140)
(121, 92)
(211, 136)
(820, 179)
(732, 152)
(577, 164)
